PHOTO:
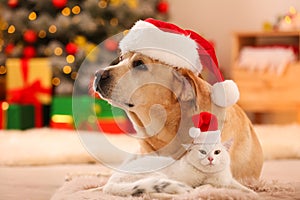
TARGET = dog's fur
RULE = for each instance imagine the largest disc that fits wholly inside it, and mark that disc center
(160, 101)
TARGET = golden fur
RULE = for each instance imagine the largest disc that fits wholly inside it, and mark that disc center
(160, 102)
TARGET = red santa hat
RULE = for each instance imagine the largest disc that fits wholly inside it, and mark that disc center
(206, 129)
(181, 48)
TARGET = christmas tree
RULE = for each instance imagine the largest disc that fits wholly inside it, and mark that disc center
(65, 31)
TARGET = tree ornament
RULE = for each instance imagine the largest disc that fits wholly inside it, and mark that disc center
(9, 48)
(29, 52)
(30, 36)
(111, 45)
(162, 7)
(13, 3)
(71, 48)
(59, 3)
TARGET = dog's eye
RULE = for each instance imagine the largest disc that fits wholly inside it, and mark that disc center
(115, 61)
(202, 151)
(217, 152)
(140, 65)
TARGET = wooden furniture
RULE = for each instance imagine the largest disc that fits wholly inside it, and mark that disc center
(262, 92)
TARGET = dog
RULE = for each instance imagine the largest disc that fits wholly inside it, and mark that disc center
(160, 100)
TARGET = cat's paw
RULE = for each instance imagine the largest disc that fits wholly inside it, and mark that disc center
(161, 186)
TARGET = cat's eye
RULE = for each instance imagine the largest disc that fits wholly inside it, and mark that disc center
(217, 152)
(202, 151)
(139, 65)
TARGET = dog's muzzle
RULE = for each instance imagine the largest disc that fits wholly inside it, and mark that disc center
(101, 81)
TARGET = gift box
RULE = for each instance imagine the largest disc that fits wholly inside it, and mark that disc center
(3, 118)
(115, 126)
(87, 113)
(97, 115)
(20, 116)
(28, 81)
(61, 113)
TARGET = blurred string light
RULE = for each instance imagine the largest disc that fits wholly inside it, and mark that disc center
(4, 25)
(5, 106)
(70, 59)
(52, 29)
(66, 11)
(114, 21)
(102, 4)
(67, 69)
(74, 75)
(11, 29)
(2, 69)
(288, 19)
(32, 16)
(42, 34)
(292, 10)
(76, 10)
(58, 51)
(55, 81)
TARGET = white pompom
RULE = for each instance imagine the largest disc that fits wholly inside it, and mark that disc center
(194, 132)
(225, 93)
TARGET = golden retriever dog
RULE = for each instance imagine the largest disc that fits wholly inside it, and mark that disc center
(160, 99)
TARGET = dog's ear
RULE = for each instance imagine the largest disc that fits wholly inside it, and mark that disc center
(182, 87)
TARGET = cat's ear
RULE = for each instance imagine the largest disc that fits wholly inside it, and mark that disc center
(227, 144)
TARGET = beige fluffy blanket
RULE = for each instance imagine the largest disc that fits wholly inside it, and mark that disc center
(88, 186)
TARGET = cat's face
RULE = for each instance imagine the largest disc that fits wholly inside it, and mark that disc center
(209, 158)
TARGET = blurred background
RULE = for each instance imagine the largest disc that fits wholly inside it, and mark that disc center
(50, 50)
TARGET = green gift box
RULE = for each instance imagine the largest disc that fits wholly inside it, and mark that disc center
(20, 116)
(84, 109)
(104, 110)
(61, 113)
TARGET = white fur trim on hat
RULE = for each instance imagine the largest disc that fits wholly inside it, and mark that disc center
(225, 93)
(207, 137)
(171, 48)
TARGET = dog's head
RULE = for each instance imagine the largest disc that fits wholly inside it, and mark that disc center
(138, 81)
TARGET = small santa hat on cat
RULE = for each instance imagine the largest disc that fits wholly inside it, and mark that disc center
(181, 48)
(206, 129)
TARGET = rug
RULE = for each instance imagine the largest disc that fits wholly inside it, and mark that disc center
(79, 187)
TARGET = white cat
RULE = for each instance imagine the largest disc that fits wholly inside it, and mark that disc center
(202, 164)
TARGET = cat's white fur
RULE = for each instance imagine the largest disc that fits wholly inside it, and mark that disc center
(202, 164)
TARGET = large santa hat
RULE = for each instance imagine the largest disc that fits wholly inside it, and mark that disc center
(206, 129)
(174, 46)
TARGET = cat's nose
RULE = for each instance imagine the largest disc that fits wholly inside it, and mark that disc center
(210, 159)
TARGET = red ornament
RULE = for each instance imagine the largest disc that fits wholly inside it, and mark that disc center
(111, 45)
(30, 36)
(29, 52)
(162, 7)
(59, 3)
(13, 3)
(71, 48)
(9, 49)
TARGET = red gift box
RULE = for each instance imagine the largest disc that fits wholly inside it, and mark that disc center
(29, 82)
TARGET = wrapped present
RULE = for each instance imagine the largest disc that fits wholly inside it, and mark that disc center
(3, 117)
(61, 113)
(103, 109)
(20, 116)
(115, 126)
(29, 82)
(87, 113)
(97, 115)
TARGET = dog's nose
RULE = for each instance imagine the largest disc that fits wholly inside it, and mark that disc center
(100, 76)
